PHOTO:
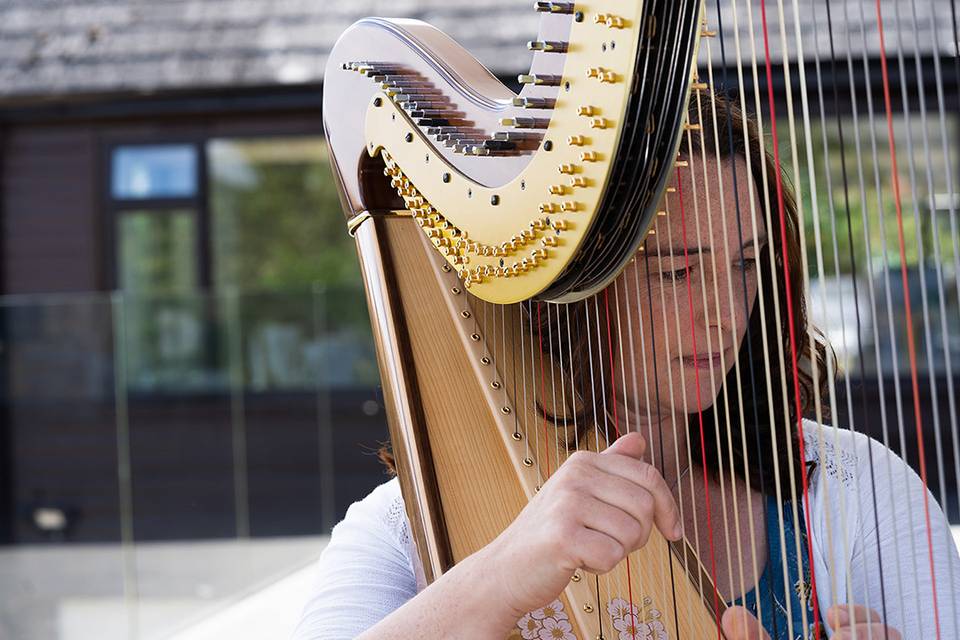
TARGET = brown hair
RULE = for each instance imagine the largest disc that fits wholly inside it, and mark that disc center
(763, 414)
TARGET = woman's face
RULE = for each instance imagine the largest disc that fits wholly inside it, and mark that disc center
(685, 291)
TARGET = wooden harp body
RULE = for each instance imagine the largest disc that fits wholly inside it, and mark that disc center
(450, 376)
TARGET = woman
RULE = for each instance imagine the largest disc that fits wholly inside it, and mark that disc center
(699, 322)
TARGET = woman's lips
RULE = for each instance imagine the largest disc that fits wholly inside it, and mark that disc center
(703, 361)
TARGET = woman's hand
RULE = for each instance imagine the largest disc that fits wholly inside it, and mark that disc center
(593, 511)
(739, 624)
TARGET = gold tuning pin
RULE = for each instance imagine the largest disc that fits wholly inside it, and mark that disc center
(578, 181)
(549, 241)
(576, 141)
(612, 21)
(547, 207)
(569, 206)
(608, 77)
(567, 168)
(557, 189)
(589, 156)
(585, 110)
(598, 123)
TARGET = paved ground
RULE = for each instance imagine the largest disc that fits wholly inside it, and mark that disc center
(77, 592)
(187, 591)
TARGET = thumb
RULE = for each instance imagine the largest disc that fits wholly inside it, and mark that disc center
(629, 444)
(738, 624)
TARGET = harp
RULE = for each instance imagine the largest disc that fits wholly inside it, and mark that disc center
(500, 232)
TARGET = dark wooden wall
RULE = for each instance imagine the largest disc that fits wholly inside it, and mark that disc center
(49, 176)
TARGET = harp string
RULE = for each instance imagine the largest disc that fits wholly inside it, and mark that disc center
(746, 300)
(660, 420)
(823, 302)
(696, 374)
(854, 280)
(938, 261)
(781, 371)
(871, 291)
(789, 304)
(818, 240)
(952, 212)
(910, 336)
(692, 156)
(743, 586)
(804, 278)
(921, 253)
(688, 471)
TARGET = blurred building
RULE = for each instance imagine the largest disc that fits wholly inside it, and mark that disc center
(170, 360)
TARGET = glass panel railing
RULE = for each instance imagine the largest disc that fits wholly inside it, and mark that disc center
(170, 456)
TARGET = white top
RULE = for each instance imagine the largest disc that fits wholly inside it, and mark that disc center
(370, 567)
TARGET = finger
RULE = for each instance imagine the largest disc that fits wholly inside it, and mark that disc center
(666, 512)
(844, 615)
(863, 631)
(739, 624)
(625, 494)
(630, 532)
(597, 552)
(629, 444)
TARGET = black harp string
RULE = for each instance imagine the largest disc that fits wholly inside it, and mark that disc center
(748, 336)
(604, 412)
(656, 388)
(723, 366)
(891, 327)
(821, 274)
(573, 393)
(692, 156)
(513, 372)
(805, 275)
(760, 303)
(683, 396)
(533, 392)
(553, 387)
(873, 312)
(951, 394)
(784, 409)
(951, 202)
(738, 383)
(796, 502)
(523, 375)
(925, 305)
(861, 359)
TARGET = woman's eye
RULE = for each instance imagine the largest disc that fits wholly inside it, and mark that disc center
(674, 276)
(746, 264)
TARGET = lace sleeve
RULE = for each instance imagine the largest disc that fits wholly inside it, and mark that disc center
(879, 537)
(364, 573)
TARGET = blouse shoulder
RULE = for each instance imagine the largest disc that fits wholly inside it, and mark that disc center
(366, 571)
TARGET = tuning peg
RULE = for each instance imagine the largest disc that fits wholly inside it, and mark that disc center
(534, 103)
(524, 123)
(515, 136)
(499, 145)
(547, 46)
(554, 7)
(539, 79)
